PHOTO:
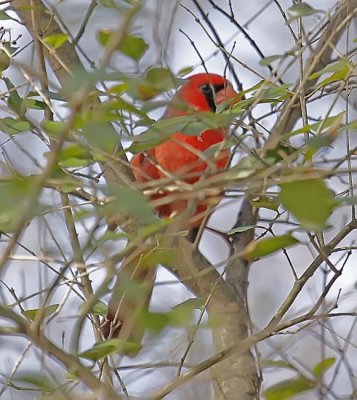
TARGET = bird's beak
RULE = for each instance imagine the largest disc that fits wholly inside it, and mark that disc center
(227, 95)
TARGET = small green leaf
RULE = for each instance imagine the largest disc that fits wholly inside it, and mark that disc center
(246, 167)
(110, 235)
(276, 91)
(155, 81)
(264, 247)
(34, 104)
(339, 70)
(132, 46)
(71, 376)
(37, 381)
(14, 195)
(185, 71)
(101, 136)
(301, 10)
(320, 368)
(288, 389)
(74, 156)
(65, 182)
(269, 203)
(132, 203)
(241, 229)
(182, 314)
(350, 126)
(194, 303)
(14, 126)
(320, 126)
(310, 201)
(108, 347)
(277, 364)
(46, 312)
(56, 40)
(52, 128)
(100, 308)
(4, 61)
(72, 162)
(4, 16)
(14, 100)
(154, 321)
(268, 60)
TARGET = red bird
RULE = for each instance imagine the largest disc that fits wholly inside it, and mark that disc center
(180, 157)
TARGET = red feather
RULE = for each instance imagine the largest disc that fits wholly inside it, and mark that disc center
(174, 156)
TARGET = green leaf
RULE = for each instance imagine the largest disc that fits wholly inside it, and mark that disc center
(276, 364)
(154, 321)
(4, 16)
(301, 10)
(132, 46)
(52, 128)
(288, 389)
(13, 126)
(72, 162)
(155, 81)
(264, 247)
(4, 61)
(71, 376)
(46, 312)
(14, 194)
(246, 167)
(100, 308)
(14, 100)
(241, 229)
(192, 125)
(339, 70)
(320, 126)
(310, 201)
(107, 3)
(268, 60)
(121, 105)
(108, 347)
(56, 40)
(37, 381)
(185, 71)
(194, 303)
(63, 181)
(109, 235)
(320, 368)
(180, 316)
(269, 203)
(132, 203)
(84, 81)
(101, 136)
(74, 155)
(350, 126)
(34, 104)
(276, 91)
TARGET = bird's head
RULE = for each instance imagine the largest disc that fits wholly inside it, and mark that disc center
(203, 92)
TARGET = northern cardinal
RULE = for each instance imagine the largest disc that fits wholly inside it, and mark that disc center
(180, 157)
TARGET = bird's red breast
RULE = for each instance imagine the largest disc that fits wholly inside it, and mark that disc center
(181, 156)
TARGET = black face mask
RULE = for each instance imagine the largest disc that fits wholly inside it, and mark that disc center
(209, 95)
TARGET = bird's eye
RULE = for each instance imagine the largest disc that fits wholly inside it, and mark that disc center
(207, 88)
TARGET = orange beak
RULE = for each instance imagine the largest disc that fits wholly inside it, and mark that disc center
(227, 95)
